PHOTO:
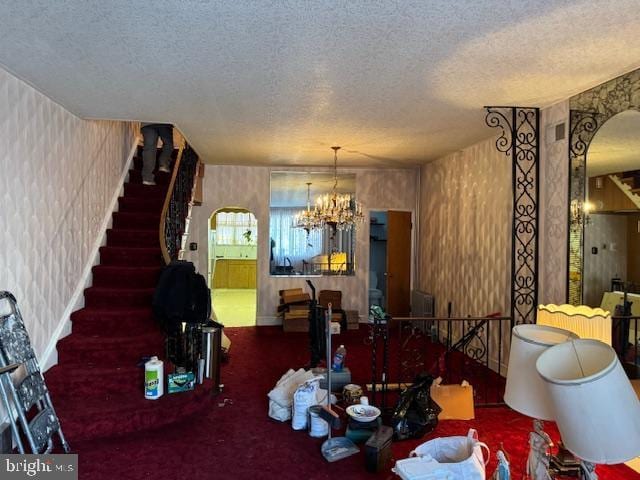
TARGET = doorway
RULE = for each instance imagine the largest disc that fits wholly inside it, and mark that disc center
(233, 249)
(390, 261)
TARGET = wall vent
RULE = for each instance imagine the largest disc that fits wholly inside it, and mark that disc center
(559, 132)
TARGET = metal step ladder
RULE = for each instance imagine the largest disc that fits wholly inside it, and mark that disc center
(22, 387)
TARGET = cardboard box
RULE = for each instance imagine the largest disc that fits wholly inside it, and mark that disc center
(301, 308)
(456, 401)
(296, 298)
(295, 324)
(353, 319)
(290, 291)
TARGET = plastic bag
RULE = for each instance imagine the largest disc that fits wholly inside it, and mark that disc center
(303, 398)
(416, 413)
(446, 458)
(281, 396)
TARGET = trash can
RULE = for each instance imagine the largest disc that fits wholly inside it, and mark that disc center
(211, 353)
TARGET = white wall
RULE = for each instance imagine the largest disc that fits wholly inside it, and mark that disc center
(248, 187)
(59, 176)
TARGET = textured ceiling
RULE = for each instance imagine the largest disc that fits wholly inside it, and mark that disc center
(279, 82)
(616, 145)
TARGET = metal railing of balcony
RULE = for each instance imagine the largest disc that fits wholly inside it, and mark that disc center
(464, 348)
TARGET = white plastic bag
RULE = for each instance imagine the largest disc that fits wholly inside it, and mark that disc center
(303, 398)
(446, 458)
(281, 396)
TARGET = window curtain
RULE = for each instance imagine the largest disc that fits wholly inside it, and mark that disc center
(232, 228)
(290, 242)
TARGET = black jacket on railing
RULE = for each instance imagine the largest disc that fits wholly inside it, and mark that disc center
(181, 295)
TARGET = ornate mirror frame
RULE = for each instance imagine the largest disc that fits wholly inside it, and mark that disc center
(589, 110)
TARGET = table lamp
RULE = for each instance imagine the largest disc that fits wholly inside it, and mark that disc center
(594, 404)
(585, 322)
(526, 391)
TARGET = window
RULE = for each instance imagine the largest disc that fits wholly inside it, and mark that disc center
(235, 228)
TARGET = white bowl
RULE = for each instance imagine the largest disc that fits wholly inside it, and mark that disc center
(363, 413)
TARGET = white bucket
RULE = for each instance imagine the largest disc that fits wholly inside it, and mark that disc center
(318, 428)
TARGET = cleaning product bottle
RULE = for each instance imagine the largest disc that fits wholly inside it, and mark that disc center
(338, 359)
(153, 379)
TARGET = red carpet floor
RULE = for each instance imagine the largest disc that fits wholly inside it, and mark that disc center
(233, 438)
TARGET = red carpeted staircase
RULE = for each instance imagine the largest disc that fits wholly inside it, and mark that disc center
(97, 386)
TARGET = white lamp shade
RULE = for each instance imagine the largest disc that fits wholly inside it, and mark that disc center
(596, 409)
(525, 391)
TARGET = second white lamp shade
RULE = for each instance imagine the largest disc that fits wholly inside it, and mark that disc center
(596, 409)
(525, 391)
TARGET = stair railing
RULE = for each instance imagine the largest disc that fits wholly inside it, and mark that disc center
(177, 204)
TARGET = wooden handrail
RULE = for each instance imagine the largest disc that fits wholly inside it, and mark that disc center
(165, 208)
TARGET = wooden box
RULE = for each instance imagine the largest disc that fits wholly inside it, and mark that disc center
(377, 450)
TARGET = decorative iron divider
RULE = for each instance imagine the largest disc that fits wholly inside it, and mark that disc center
(176, 207)
(520, 139)
(455, 348)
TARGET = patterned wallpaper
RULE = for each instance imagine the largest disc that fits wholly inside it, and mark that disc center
(248, 187)
(554, 184)
(59, 175)
(465, 231)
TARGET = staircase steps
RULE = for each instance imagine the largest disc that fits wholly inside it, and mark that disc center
(108, 297)
(127, 256)
(97, 386)
(113, 321)
(139, 205)
(133, 238)
(98, 349)
(130, 277)
(136, 221)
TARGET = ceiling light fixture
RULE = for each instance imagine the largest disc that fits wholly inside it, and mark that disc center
(307, 219)
(341, 211)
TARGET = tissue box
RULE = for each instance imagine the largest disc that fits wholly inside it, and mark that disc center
(180, 382)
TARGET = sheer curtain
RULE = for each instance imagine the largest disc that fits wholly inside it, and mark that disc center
(290, 242)
(232, 228)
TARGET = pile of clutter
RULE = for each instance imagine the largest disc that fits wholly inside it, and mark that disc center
(300, 396)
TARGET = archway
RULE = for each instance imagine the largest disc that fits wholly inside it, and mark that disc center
(232, 266)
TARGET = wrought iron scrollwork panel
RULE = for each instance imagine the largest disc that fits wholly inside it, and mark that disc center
(519, 139)
(178, 211)
(413, 351)
(476, 347)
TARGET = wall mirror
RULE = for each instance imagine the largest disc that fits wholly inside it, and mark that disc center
(295, 250)
(611, 209)
(604, 203)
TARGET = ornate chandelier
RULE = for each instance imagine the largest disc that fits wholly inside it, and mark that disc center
(338, 210)
(307, 219)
